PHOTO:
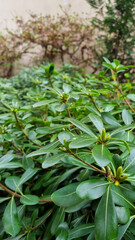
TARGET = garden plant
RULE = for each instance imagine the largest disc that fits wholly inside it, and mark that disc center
(115, 22)
(67, 154)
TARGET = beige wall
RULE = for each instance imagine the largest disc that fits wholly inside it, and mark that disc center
(11, 8)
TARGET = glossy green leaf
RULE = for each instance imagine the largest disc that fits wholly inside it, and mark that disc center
(57, 218)
(12, 182)
(51, 129)
(108, 118)
(128, 190)
(127, 117)
(68, 192)
(63, 235)
(11, 221)
(64, 136)
(77, 207)
(130, 162)
(123, 214)
(64, 232)
(6, 158)
(101, 155)
(29, 199)
(81, 141)
(50, 148)
(32, 135)
(96, 120)
(106, 226)
(92, 189)
(81, 231)
(76, 162)
(3, 199)
(10, 165)
(131, 97)
(66, 88)
(120, 199)
(123, 228)
(44, 102)
(124, 128)
(82, 126)
(28, 174)
(51, 161)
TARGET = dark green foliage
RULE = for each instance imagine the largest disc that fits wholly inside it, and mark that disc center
(95, 3)
(67, 155)
(117, 30)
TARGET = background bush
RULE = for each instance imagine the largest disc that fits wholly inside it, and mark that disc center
(115, 21)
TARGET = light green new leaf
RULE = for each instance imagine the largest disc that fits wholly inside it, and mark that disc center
(92, 189)
(106, 226)
(127, 117)
(66, 196)
(82, 126)
(96, 120)
(11, 221)
(102, 155)
(29, 199)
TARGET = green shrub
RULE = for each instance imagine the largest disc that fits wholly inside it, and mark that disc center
(117, 32)
(67, 155)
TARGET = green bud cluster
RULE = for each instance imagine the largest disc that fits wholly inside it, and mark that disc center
(119, 177)
(103, 137)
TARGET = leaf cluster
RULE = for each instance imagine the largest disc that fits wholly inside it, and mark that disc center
(67, 155)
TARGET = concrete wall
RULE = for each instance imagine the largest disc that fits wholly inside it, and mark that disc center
(11, 8)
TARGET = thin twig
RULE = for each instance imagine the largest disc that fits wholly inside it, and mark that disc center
(95, 168)
(41, 222)
(68, 113)
(9, 191)
(92, 99)
(18, 195)
(126, 101)
(22, 128)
